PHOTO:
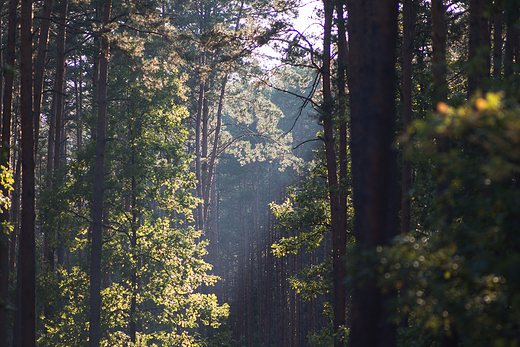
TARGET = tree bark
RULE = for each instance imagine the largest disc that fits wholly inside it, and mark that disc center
(198, 155)
(58, 109)
(408, 34)
(478, 54)
(372, 38)
(27, 241)
(213, 156)
(97, 206)
(4, 160)
(39, 68)
(340, 236)
(440, 92)
(39, 74)
(337, 212)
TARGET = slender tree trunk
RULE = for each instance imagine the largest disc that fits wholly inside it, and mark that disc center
(17, 328)
(440, 95)
(250, 287)
(259, 263)
(269, 289)
(49, 230)
(475, 11)
(497, 45)
(340, 237)
(292, 303)
(214, 151)
(15, 214)
(78, 90)
(478, 55)
(58, 92)
(204, 153)
(283, 302)
(440, 92)
(27, 242)
(337, 212)
(406, 82)
(440, 87)
(39, 68)
(97, 206)
(198, 155)
(4, 160)
(135, 278)
(38, 97)
(373, 39)
(14, 255)
(511, 38)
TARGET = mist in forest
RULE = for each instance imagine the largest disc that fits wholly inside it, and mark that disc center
(259, 173)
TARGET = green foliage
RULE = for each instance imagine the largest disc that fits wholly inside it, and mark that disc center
(323, 338)
(311, 281)
(6, 183)
(457, 272)
(153, 262)
(252, 122)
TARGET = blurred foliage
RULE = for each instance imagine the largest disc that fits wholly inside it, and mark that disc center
(457, 273)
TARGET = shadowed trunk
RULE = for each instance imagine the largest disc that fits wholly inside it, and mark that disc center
(373, 39)
(97, 206)
(27, 238)
(4, 160)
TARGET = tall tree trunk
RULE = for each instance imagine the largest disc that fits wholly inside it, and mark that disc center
(440, 86)
(478, 54)
(4, 160)
(511, 38)
(340, 236)
(269, 290)
(440, 91)
(406, 86)
(337, 220)
(372, 38)
(406, 82)
(497, 45)
(39, 67)
(97, 206)
(39, 74)
(259, 247)
(27, 241)
(58, 128)
(14, 255)
(78, 91)
(15, 214)
(250, 287)
(214, 152)
(440, 95)
(198, 154)
(282, 337)
(135, 278)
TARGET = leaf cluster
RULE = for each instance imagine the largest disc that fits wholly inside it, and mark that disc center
(456, 273)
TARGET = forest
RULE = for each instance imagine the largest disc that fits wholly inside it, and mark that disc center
(252, 173)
